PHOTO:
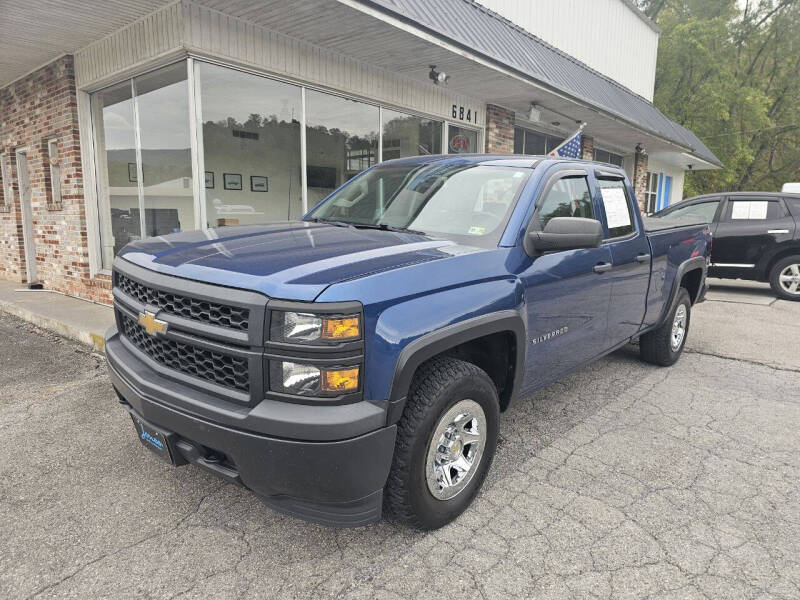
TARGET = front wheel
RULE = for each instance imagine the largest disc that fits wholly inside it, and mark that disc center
(785, 278)
(446, 441)
(663, 346)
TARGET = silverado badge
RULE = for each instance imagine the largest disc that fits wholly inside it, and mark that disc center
(152, 325)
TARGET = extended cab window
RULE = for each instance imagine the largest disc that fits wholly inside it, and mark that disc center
(569, 197)
(701, 211)
(617, 206)
(753, 210)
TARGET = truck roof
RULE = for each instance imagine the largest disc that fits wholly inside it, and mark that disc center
(509, 160)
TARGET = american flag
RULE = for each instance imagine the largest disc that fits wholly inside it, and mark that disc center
(570, 147)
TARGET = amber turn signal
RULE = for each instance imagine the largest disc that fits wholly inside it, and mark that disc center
(340, 380)
(341, 328)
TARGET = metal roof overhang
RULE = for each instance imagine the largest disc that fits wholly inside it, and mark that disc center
(382, 33)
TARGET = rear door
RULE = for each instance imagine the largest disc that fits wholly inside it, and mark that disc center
(749, 229)
(630, 256)
(566, 292)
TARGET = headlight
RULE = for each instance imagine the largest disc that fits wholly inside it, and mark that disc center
(307, 328)
(307, 380)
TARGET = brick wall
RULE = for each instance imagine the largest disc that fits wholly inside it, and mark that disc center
(499, 130)
(587, 147)
(640, 176)
(33, 110)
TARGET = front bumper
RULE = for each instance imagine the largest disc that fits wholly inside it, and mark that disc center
(337, 482)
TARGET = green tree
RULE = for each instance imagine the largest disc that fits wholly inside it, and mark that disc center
(729, 71)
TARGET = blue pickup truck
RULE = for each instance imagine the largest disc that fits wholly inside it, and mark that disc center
(356, 362)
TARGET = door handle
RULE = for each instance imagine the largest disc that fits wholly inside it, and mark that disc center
(602, 267)
(777, 231)
(641, 258)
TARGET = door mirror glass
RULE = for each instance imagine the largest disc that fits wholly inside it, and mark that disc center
(565, 233)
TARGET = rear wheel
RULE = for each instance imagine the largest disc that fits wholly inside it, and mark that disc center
(663, 346)
(446, 441)
(785, 278)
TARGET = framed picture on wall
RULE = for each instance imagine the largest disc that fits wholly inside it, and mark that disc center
(209, 180)
(232, 181)
(132, 172)
(259, 183)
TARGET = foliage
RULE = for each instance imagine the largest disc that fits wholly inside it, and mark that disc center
(728, 70)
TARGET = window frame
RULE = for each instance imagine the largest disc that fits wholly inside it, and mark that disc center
(730, 200)
(688, 204)
(611, 176)
(535, 224)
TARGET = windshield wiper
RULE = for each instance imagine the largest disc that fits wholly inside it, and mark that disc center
(334, 223)
(385, 227)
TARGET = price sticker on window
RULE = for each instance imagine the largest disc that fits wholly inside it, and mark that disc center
(616, 206)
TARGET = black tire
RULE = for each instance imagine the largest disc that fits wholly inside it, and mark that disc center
(774, 278)
(437, 386)
(656, 346)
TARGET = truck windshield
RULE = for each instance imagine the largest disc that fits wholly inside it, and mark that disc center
(465, 202)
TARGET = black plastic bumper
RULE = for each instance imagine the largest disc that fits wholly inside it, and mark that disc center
(334, 482)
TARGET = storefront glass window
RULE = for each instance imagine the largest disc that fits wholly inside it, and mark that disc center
(533, 142)
(162, 103)
(341, 141)
(117, 170)
(409, 135)
(462, 140)
(248, 161)
(251, 147)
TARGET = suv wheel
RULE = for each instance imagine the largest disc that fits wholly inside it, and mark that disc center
(663, 346)
(446, 441)
(785, 278)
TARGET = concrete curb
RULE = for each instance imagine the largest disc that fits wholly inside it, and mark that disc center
(91, 339)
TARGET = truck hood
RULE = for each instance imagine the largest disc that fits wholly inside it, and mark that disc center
(293, 260)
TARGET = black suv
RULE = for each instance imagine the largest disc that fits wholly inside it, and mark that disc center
(756, 236)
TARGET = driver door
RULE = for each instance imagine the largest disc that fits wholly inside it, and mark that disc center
(567, 292)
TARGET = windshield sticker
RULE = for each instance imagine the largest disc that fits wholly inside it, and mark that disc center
(616, 205)
(476, 230)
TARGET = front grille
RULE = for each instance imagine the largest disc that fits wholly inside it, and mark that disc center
(212, 313)
(223, 369)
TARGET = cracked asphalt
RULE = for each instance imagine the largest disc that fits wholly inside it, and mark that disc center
(622, 481)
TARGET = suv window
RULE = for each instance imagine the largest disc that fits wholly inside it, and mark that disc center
(569, 197)
(703, 211)
(753, 209)
(617, 205)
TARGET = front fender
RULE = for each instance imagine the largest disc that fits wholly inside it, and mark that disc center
(411, 332)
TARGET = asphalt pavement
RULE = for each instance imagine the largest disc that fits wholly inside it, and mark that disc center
(623, 480)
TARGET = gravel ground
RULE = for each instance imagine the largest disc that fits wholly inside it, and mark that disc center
(621, 481)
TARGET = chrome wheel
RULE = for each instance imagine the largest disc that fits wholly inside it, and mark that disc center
(678, 327)
(455, 449)
(790, 279)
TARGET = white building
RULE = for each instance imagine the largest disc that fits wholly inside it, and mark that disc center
(139, 117)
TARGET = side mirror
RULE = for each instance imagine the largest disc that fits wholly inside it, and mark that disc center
(565, 233)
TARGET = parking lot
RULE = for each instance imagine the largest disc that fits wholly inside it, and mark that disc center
(622, 481)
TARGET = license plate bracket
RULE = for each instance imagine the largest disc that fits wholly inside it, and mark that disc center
(154, 439)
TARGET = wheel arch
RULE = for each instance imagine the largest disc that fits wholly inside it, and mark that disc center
(463, 340)
(779, 256)
(689, 266)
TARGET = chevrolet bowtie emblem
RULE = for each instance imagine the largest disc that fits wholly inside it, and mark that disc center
(152, 325)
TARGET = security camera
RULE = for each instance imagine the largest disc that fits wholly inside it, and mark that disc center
(436, 76)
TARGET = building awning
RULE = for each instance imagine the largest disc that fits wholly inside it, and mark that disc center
(478, 31)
